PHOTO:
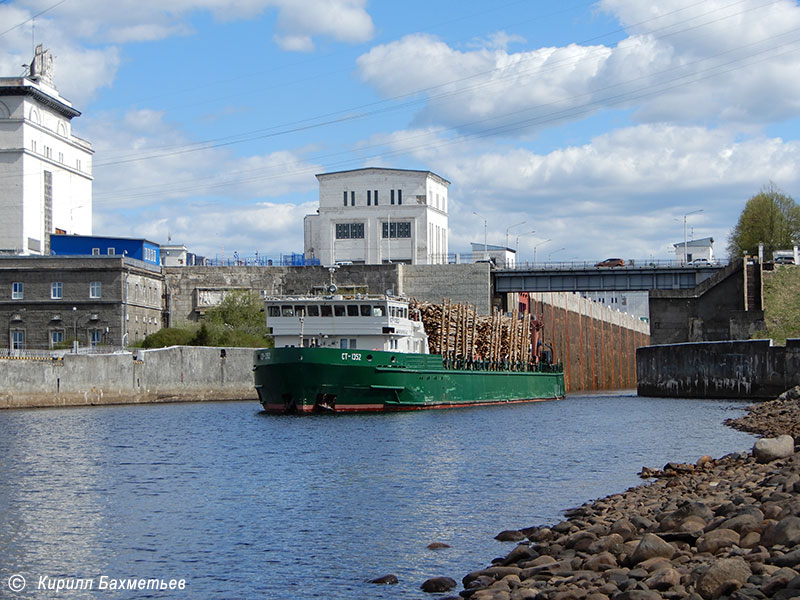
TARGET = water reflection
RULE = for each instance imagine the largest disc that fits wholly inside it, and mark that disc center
(245, 504)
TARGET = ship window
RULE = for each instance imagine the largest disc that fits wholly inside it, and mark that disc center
(274, 311)
(338, 310)
(352, 310)
(286, 311)
(326, 310)
(366, 310)
(377, 311)
(300, 311)
(313, 311)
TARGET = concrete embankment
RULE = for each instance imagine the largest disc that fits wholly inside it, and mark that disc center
(735, 369)
(727, 528)
(176, 374)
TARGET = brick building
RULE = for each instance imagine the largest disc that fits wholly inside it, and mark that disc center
(47, 302)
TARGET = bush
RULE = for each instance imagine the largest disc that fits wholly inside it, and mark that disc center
(171, 336)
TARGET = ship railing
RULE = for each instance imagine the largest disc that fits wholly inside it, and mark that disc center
(464, 364)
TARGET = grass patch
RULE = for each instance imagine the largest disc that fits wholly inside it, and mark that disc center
(782, 304)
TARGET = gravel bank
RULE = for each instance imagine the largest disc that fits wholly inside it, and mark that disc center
(720, 528)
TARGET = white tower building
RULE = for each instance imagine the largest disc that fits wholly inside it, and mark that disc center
(45, 171)
(376, 215)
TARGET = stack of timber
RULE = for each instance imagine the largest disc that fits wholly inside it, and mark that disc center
(464, 338)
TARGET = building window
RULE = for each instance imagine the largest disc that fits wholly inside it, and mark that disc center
(349, 231)
(369, 198)
(376, 197)
(95, 251)
(397, 230)
(352, 198)
(56, 337)
(16, 290)
(95, 289)
(78, 164)
(391, 196)
(17, 339)
(345, 198)
(95, 337)
(399, 196)
(33, 145)
(112, 251)
(56, 290)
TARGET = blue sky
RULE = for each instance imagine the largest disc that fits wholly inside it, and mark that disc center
(595, 125)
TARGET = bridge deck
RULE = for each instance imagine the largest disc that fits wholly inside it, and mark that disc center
(587, 279)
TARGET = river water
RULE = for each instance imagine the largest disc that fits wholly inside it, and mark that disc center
(240, 504)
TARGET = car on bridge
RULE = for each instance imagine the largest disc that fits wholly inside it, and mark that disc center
(611, 262)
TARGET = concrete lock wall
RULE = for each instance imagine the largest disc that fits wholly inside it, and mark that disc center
(466, 284)
(179, 373)
(731, 369)
(596, 344)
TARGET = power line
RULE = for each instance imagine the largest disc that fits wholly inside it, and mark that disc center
(28, 20)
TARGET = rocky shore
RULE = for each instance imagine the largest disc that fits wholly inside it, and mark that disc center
(724, 528)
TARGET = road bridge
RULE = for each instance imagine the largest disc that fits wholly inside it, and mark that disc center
(583, 277)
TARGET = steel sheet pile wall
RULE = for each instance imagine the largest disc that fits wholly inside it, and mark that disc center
(596, 344)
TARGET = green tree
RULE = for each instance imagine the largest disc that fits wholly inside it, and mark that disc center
(770, 217)
(239, 309)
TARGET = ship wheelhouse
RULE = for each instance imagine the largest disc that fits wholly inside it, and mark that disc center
(362, 322)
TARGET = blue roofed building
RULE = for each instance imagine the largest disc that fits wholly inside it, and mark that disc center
(92, 245)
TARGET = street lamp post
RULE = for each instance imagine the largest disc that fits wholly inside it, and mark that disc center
(685, 241)
(549, 256)
(536, 246)
(523, 235)
(485, 227)
(512, 227)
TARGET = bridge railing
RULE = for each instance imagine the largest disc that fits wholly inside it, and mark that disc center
(629, 265)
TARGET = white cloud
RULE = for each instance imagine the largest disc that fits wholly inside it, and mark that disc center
(715, 60)
(617, 195)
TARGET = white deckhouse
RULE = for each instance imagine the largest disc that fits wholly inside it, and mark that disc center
(377, 215)
(46, 171)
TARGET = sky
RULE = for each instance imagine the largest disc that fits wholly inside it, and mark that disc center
(577, 130)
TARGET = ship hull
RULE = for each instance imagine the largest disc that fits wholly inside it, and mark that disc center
(318, 380)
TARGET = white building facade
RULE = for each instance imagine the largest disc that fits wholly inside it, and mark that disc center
(45, 170)
(692, 250)
(377, 215)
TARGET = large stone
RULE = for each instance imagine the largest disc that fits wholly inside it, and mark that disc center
(510, 535)
(714, 540)
(686, 510)
(664, 579)
(651, 546)
(723, 576)
(435, 585)
(745, 523)
(785, 532)
(385, 580)
(600, 562)
(769, 449)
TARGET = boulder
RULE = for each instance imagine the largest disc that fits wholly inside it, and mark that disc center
(385, 580)
(651, 546)
(714, 540)
(769, 449)
(664, 579)
(723, 576)
(510, 535)
(600, 562)
(785, 532)
(434, 585)
(437, 545)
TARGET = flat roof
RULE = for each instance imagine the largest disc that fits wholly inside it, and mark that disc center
(100, 237)
(318, 175)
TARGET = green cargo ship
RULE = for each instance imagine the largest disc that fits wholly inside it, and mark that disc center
(336, 354)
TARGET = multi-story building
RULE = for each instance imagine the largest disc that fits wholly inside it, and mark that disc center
(46, 171)
(49, 302)
(377, 215)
